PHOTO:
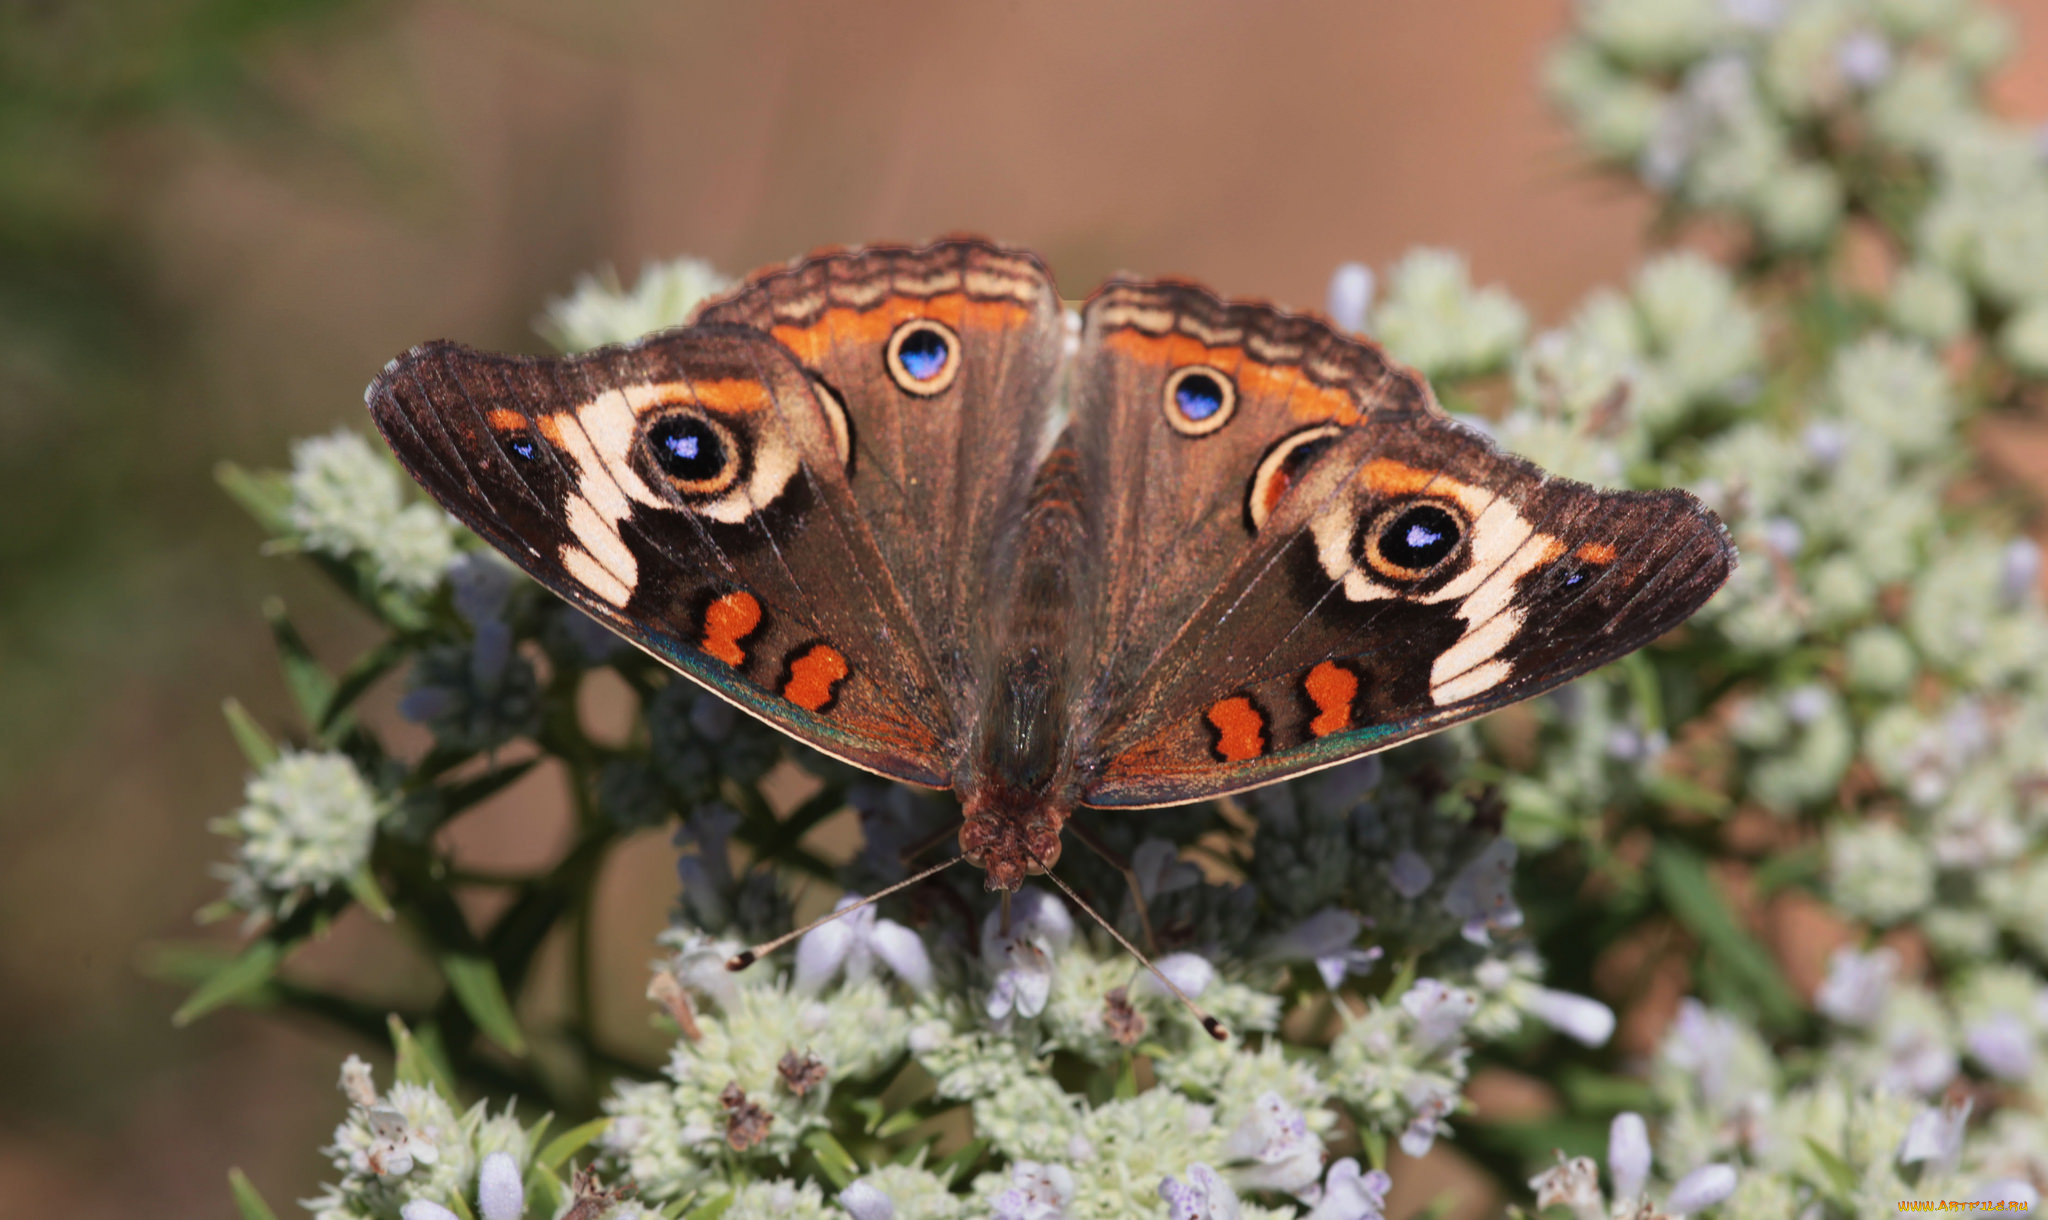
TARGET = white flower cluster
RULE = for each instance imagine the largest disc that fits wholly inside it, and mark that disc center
(306, 824)
(348, 501)
(600, 310)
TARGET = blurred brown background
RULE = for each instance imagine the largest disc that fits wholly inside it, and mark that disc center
(219, 217)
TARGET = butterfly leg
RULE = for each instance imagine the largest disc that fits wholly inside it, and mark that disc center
(1117, 862)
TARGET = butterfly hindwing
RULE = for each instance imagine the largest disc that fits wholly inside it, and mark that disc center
(1387, 571)
(690, 492)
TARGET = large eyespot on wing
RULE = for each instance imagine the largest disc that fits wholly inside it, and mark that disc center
(690, 492)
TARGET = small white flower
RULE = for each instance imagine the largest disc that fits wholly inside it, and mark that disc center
(1036, 1192)
(1022, 958)
(1703, 1187)
(600, 310)
(1349, 1194)
(1482, 895)
(500, 1194)
(1273, 1149)
(1628, 1155)
(1857, 986)
(863, 1202)
(1583, 1019)
(306, 824)
(1351, 288)
(1439, 1012)
(1433, 1103)
(1204, 1196)
(853, 943)
(1571, 1184)
(357, 1084)
(1936, 1136)
(1327, 938)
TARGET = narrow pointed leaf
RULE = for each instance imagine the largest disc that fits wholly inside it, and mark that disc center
(418, 1064)
(363, 884)
(248, 1201)
(571, 1142)
(312, 687)
(267, 497)
(255, 744)
(243, 980)
(475, 983)
(1692, 896)
(833, 1158)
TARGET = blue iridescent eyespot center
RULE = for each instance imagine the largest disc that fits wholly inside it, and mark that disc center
(523, 448)
(1419, 538)
(924, 354)
(688, 449)
(1198, 396)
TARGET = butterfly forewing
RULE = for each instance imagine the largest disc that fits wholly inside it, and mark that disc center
(690, 492)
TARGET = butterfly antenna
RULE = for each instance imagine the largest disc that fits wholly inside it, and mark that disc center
(747, 957)
(1212, 1025)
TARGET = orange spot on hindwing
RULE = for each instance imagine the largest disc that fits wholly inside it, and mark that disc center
(728, 620)
(813, 675)
(1596, 552)
(1332, 690)
(1238, 729)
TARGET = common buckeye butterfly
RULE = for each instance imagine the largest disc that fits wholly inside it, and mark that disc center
(905, 507)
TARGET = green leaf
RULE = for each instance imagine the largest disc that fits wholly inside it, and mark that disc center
(712, 1209)
(1127, 1079)
(896, 1124)
(1841, 1180)
(474, 980)
(248, 1200)
(833, 1158)
(1680, 793)
(255, 744)
(460, 1206)
(1789, 868)
(1597, 1092)
(1693, 897)
(1375, 1143)
(544, 1192)
(244, 980)
(267, 496)
(363, 884)
(419, 1062)
(571, 1142)
(312, 687)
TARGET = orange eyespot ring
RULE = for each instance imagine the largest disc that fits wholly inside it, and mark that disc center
(700, 455)
(923, 357)
(1415, 538)
(1198, 400)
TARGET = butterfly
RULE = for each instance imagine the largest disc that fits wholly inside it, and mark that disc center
(905, 506)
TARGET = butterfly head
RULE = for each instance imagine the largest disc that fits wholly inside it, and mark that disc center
(1010, 838)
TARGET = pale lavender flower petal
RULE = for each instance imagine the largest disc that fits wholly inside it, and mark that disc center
(1350, 296)
(1349, 1194)
(2003, 1044)
(1571, 1184)
(1857, 986)
(1440, 1011)
(820, 954)
(1204, 1196)
(1936, 1135)
(1703, 1187)
(1583, 1019)
(1628, 1155)
(902, 950)
(500, 1194)
(1410, 874)
(1191, 972)
(864, 1202)
(1275, 1138)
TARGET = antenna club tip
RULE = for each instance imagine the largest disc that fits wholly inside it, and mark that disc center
(741, 960)
(1215, 1029)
